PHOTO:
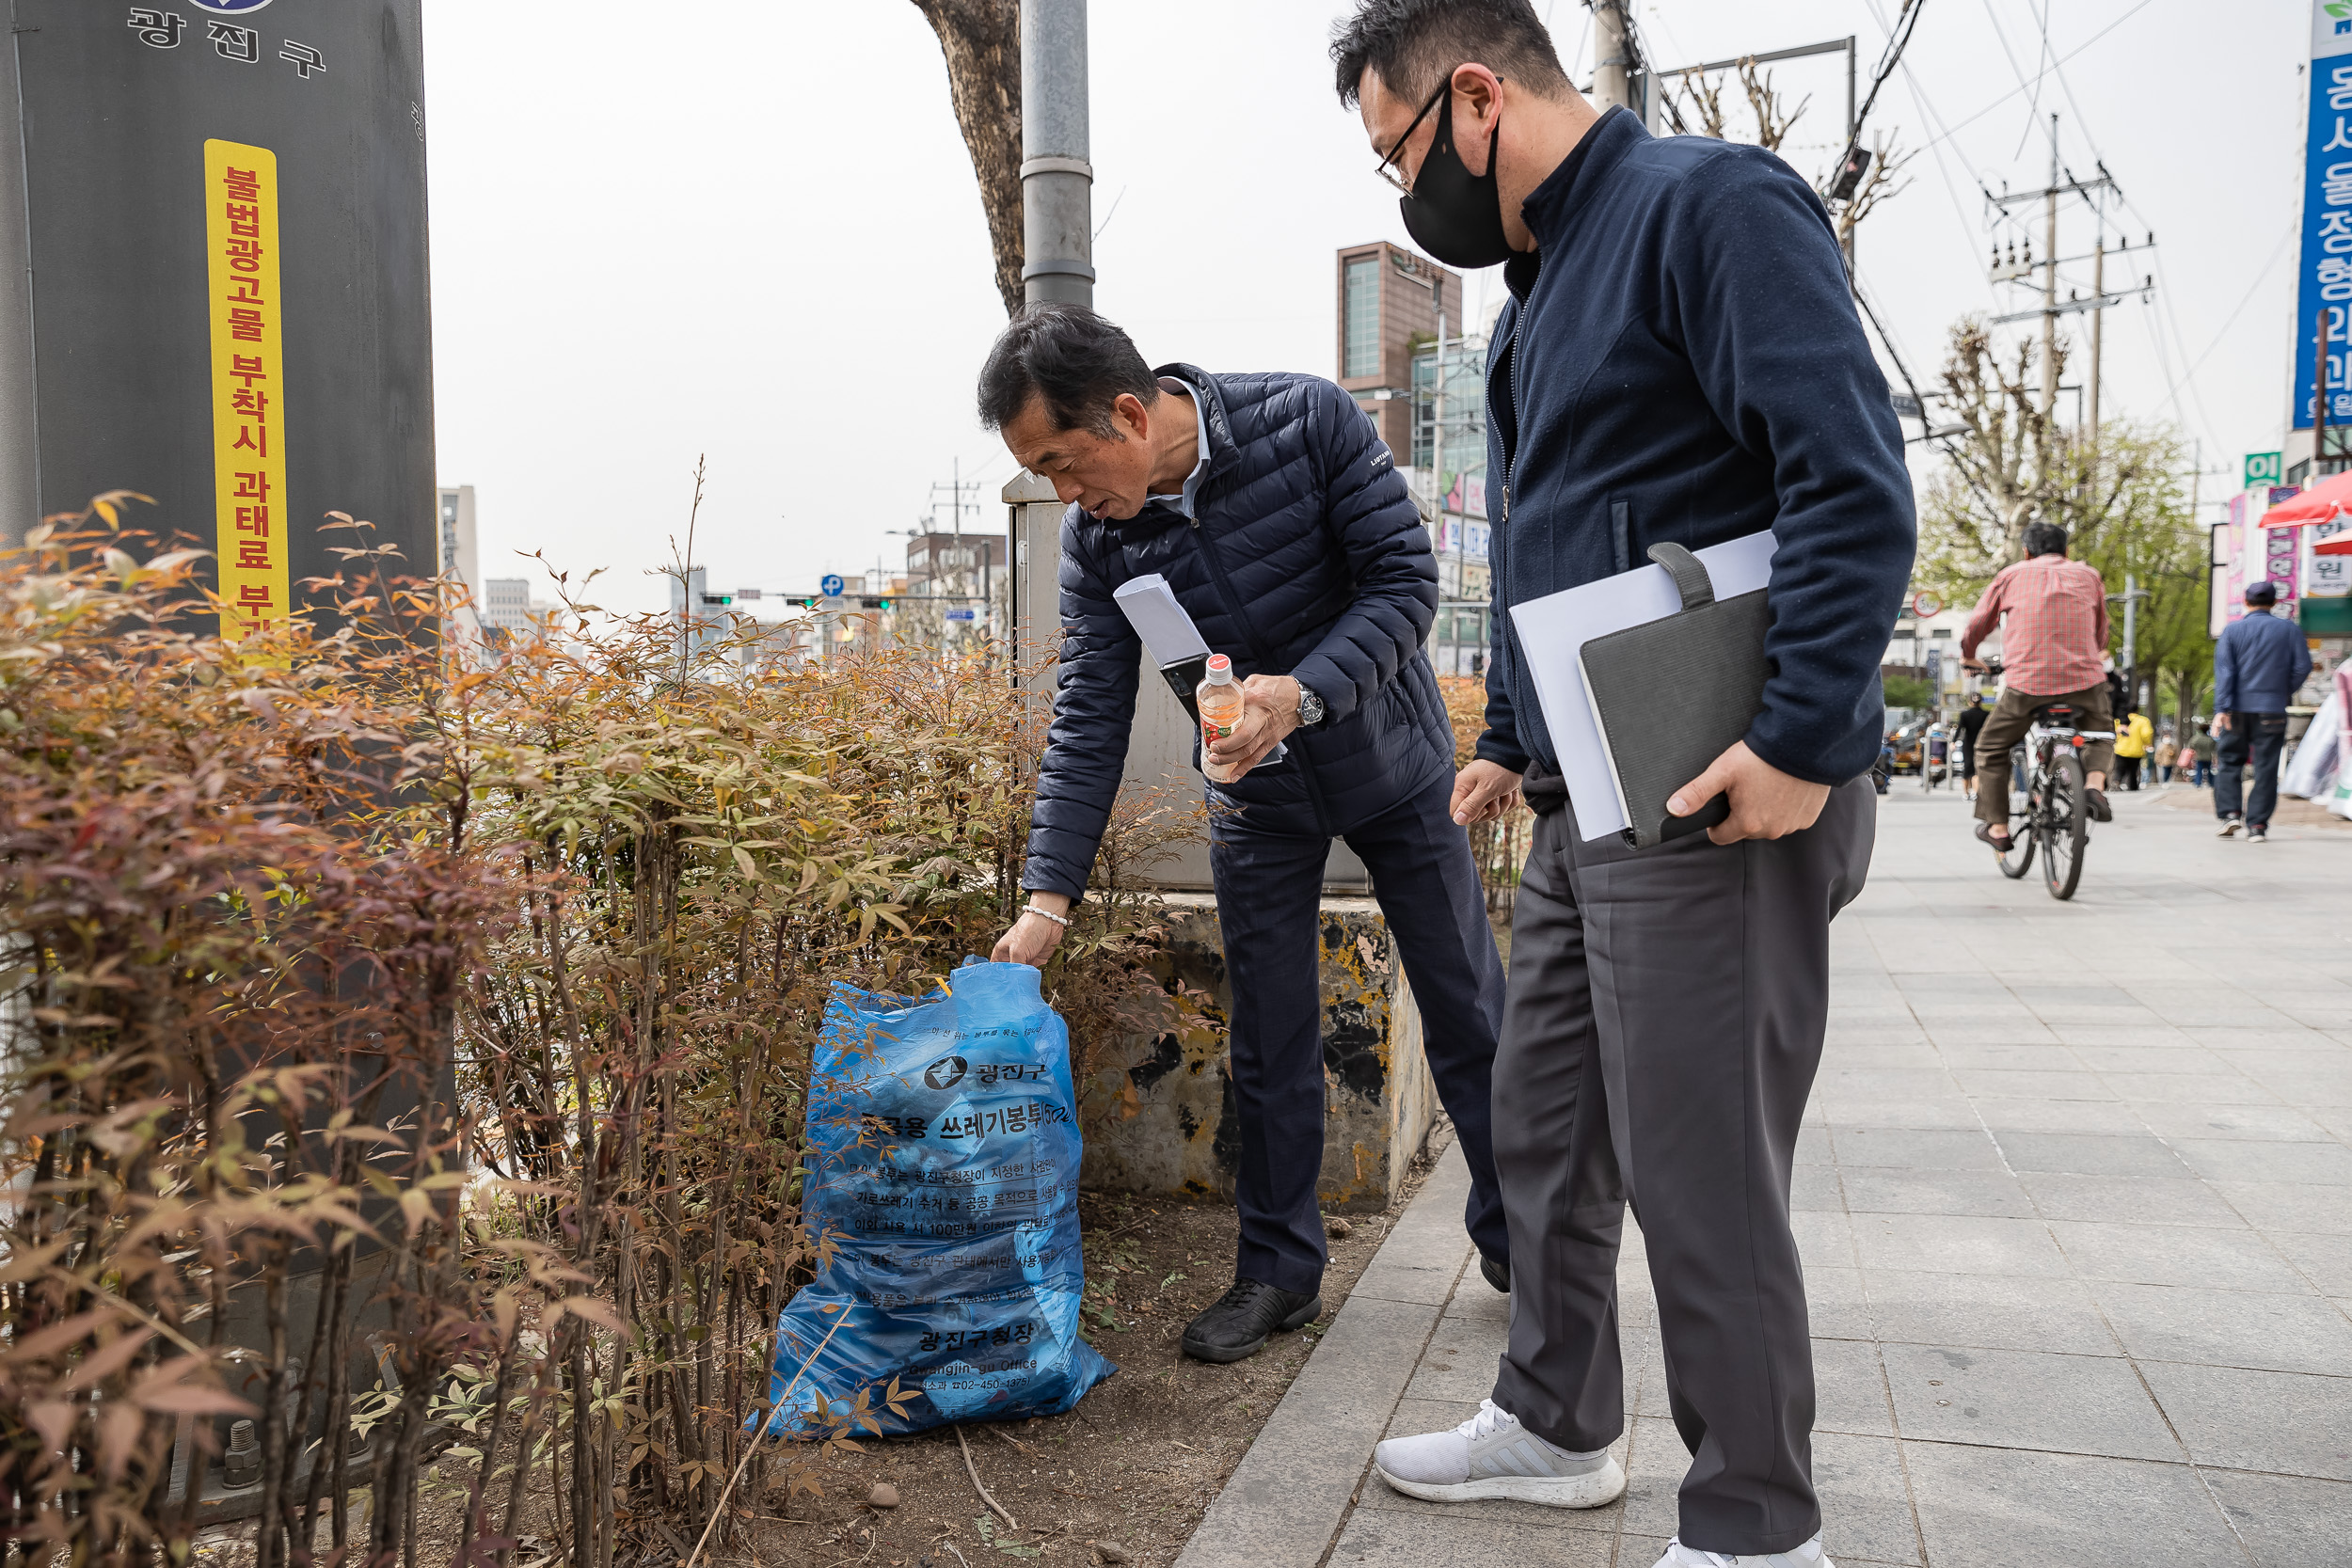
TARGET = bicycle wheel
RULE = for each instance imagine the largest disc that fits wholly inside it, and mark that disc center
(2020, 857)
(2065, 826)
(2021, 814)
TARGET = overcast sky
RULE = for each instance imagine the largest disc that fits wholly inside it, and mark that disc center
(751, 231)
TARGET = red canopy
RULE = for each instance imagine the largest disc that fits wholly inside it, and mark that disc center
(2340, 545)
(2319, 504)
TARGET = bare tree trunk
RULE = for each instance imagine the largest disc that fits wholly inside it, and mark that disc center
(982, 39)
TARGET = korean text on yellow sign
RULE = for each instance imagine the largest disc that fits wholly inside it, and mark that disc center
(249, 383)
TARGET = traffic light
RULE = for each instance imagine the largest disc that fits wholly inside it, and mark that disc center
(718, 598)
(873, 604)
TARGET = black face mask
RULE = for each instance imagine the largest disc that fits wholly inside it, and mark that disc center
(1455, 215)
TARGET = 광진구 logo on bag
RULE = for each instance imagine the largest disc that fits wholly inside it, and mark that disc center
(229, 8)
(945, 1073)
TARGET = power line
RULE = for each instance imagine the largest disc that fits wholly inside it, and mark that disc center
(2053, 66)
(2251, 289)
(1919, 98)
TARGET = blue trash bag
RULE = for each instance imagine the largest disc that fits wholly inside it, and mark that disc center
(942, 1170)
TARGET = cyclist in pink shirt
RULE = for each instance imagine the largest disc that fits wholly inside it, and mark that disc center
(2053, 641)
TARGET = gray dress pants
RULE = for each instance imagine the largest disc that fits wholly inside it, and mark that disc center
(1660, 1032)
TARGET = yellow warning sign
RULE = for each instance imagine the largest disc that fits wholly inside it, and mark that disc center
(249, 382)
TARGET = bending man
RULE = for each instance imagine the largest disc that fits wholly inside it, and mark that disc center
(1273, 509)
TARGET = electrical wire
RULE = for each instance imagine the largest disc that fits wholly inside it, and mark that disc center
(2053, 66)
(2251, 289)
(1921, 100)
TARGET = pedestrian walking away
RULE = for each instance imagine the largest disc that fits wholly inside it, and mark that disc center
(1275, 514)
(1679, 360)
(2257, 667)
(1972, 719)
(2133, 737)
(2167, 750)
(2052, 617)
(2195, 763)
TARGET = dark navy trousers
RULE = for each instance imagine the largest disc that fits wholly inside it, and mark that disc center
(1269, 887)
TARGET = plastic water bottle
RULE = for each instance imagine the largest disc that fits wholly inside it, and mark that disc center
(1219, 701)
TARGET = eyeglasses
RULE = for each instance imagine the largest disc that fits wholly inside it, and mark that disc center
(1387, 169)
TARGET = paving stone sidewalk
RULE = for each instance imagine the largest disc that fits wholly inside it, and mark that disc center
(2074, 1196)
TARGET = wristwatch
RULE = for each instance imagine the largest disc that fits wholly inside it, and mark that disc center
(1309, 708)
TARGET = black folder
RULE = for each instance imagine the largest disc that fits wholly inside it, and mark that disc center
(1183, 678)
(1671, 695)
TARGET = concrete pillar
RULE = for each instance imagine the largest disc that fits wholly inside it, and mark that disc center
(1159, 1111)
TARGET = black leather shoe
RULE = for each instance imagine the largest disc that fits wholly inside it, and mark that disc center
(1497, 1272)
(2097, 801)
(1245, 1317)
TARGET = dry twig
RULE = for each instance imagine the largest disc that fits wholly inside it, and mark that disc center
(994, 1507)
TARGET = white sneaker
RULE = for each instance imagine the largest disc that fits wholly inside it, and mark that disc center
(1807, 1555)
(1491, 1455)
(2230, 825)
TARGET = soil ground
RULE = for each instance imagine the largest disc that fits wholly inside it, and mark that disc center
(1134, 1466)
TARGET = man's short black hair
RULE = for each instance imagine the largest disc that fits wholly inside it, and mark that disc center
(2263, 593)
(2044, 539)
(1415, 44)
(1078, 362)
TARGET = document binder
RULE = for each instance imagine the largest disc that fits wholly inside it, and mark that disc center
(1670, 696)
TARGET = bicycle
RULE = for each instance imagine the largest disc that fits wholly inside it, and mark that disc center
(2048, 808)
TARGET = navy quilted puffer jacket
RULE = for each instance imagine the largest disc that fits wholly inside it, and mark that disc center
(1308, 560)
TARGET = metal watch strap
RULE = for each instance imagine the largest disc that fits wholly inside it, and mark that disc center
(1311, 708)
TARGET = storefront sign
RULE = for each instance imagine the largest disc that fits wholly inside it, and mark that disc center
(2262, 468)
(1463, 538)
(2326, 262)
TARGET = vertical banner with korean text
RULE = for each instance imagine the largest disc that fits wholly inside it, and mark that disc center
(2327, 264)
(248, 381)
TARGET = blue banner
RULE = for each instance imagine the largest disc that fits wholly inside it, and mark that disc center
(2327, 266)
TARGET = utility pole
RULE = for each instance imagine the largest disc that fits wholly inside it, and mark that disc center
(2098, 319)
(2049, 286)
(2092, 192)
(2319, 412)
(1612, 54)
(1437, 410)
(1056, 176)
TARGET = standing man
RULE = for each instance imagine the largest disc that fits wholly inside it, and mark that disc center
(1971, 724)
(2053, 648)
(2257, 667)
(1273, 509)
(1679, 361)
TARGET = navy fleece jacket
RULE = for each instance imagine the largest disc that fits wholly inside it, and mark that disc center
(1680, 360)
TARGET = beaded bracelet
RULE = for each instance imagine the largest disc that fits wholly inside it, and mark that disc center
(1061, 920)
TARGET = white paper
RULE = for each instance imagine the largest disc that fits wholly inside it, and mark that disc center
(1150, 605)
(1168, 633)
(1554, 630)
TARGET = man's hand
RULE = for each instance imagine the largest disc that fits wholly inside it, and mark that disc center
(1974, 664)
(1269, 711)
(1033, 936)
(1765, 802)
(1484, 792)
(2221, 722)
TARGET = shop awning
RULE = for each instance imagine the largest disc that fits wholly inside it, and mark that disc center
(2319, 504)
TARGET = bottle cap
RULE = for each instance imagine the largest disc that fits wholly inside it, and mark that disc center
(1220, 667)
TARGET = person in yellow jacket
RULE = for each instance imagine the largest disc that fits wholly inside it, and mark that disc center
(2133, 737)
